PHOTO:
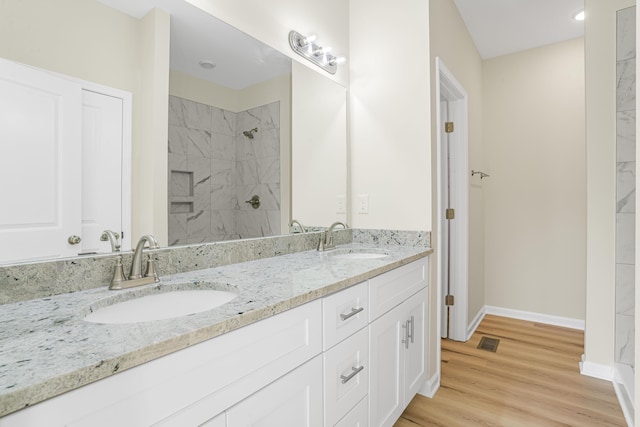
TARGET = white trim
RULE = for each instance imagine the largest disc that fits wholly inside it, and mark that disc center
(596, 370)
(471, 329)
(450, 89)
(565, 322)
(431, 386)
(623, 384)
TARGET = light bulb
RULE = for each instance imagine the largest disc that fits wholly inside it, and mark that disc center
(308, 40)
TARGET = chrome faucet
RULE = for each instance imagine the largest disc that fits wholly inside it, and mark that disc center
(136, 278)
(299, 224)
(326, 239)
(113, 238)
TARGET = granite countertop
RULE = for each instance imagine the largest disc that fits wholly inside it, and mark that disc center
(46, 348)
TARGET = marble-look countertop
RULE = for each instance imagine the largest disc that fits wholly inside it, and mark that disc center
(46, 348)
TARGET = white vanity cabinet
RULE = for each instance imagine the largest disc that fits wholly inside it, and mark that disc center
(192, 386)
(397, 345)
(353, 358)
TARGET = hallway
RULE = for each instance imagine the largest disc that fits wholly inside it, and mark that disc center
(532, 380)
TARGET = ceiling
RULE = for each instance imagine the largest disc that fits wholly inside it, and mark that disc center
(501, 27)
(240, 60)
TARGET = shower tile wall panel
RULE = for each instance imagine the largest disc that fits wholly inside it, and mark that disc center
(228, 168)
(625, 188)
(258, 163)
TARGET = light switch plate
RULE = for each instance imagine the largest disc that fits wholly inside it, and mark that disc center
(363, 203)
(341, 204)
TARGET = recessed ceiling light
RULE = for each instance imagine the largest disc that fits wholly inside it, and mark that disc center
(578, 16)
(207, 65)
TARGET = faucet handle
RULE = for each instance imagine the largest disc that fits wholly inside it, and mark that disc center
(118, 275)
(151, 269)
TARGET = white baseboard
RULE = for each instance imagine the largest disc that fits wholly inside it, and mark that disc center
(430, 386)
(623, 384)
(596, 370)
(471, 329)
(565, 322)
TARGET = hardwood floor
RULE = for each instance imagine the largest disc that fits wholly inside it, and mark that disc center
(532, 380)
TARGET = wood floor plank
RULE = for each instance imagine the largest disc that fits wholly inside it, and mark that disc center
(532, 380)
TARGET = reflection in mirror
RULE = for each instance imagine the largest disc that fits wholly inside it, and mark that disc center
(102, 45)
(319, 155)
(229, 116)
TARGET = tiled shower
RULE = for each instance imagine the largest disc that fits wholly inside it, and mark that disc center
(216, 164)
(625, 194)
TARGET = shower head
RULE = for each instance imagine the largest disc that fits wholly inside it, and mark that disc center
(249, 133)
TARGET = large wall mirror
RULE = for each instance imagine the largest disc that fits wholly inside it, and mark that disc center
(232, 109)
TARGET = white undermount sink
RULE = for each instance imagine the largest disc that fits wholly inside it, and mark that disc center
(160, 305)
(358, 254)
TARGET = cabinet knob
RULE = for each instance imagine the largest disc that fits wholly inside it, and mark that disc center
(74, 240)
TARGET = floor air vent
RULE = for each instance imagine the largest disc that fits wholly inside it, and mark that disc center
(489, 344)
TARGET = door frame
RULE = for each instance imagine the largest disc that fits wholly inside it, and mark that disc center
(449, 89)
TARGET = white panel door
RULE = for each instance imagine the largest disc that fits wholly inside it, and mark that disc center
(40, 158)
(102, 146)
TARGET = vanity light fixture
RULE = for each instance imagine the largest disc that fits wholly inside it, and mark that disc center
(307, 47)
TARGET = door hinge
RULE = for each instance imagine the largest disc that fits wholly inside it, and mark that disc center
(448, 300)
(448, 127)
(450, 213)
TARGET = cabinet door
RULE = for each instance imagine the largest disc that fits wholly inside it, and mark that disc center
(294, 400)
(386, 358)
(40, 159)
(415, 367)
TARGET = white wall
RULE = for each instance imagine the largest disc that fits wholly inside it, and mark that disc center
(390, 119)
(319, 166)
(535, 198)
(390, 113)
(600, 60)
(62, 36)
(451, 42)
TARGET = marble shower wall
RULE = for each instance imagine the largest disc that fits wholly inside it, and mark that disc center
(626, 191)
(214, 168)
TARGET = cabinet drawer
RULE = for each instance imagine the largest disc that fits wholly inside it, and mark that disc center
(344, 313)
(346, 376)
(294, 400)
(391, 288)
(357, 417)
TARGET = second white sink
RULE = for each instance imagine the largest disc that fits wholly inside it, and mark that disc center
(165, 305)
(358, 253)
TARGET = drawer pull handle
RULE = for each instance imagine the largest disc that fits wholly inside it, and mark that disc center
(355, 372)
(405, 340)
(354, 311)
(412, 323)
